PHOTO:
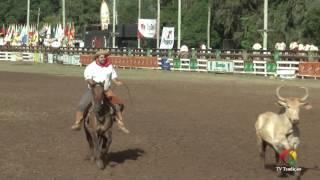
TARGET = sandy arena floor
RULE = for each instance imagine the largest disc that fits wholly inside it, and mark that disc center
(180, 130)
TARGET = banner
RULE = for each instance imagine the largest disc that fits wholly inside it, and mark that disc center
(309, 69)
(86, 59)
(147, 28)
(167, 38)
(220, 66)
(134, 61)
(124, 61)
(271, 67)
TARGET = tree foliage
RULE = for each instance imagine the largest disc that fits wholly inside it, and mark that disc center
(236, 20)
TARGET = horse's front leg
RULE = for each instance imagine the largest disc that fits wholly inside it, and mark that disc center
(90, 155)
(108, 137)
(98, 152)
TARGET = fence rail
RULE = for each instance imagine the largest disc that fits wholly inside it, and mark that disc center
(287, 64)
(194, 53)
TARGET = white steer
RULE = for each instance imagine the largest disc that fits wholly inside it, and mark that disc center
(280, 130)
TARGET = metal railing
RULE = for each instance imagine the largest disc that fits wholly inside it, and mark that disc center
(194, 53)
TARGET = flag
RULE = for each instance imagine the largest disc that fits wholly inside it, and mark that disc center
(16, 36)
(60, 33)
(66, 30)
(43, 31)
(48, 34)
(3, 31)
(56, 35)
(7, 38)
(104, 15)
(35, 38)
(72, 32)
(24, 35)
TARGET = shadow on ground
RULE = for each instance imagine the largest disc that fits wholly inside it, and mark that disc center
(120, 157)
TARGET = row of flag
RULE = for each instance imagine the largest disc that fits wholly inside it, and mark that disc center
(18, 35)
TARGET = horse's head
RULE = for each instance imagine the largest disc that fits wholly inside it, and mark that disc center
(101, 105)
(98, 95)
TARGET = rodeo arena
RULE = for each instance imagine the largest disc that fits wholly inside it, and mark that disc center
(188, 113)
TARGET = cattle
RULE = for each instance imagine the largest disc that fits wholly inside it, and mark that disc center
(280, 130)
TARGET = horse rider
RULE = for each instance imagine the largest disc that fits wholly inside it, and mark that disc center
(100, 70)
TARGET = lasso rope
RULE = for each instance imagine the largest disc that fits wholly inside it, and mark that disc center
(128, 90)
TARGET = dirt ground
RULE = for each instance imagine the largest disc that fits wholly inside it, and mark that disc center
(180, 130)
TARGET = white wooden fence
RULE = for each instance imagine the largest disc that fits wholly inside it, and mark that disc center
(284, 68)
(69, 59)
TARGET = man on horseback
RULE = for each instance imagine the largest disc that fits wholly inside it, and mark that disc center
(100, 70)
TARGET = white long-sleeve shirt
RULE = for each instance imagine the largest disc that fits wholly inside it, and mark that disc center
(100, 74)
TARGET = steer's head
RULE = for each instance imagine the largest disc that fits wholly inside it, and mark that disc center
(292, 105)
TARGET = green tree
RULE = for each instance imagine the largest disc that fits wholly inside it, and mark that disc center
(236, 20)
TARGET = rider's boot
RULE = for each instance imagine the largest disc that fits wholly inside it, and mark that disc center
(77, 124)
(120, 123)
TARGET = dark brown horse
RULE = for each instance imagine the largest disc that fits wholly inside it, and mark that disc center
(98, 125)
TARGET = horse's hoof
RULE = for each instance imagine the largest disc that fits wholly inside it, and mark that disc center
(297, 174)
(92, 159)
(113, 164)
(100, 164)
(282, 174)
(89, 157)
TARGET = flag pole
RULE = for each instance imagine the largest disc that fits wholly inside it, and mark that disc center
(265, 25)
(114, 24)
(158, 24)
(139, 16)
(208, 28)
(38, 17)
(179, 23)
(64, 13)
(28, 21)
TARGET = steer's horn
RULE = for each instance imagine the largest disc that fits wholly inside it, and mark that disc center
(306, 95)
(278, 94)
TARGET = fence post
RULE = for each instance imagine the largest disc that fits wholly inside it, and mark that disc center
(276, 55)
(176, 63)
(248, 66)
(193, 53)
(218, 55)
(193, 64)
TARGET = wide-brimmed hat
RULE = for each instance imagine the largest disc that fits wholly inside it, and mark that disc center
(102, 52)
